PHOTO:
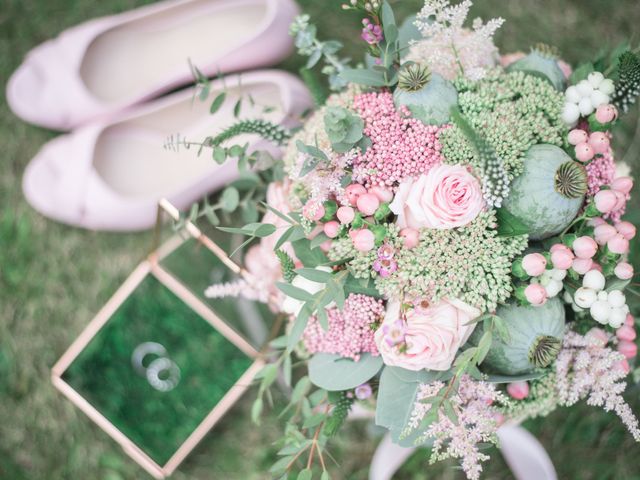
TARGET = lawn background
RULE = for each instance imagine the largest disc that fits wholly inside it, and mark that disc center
(53, 279)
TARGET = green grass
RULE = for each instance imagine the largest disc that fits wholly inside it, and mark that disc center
(53, 279)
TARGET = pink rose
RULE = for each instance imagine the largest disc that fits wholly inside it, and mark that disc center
(446, 197)
(431, 336)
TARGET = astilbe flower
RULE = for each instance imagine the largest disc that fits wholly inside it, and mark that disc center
(600, 171)
(587, 370)
(512, 111)
(475, 405)
(450, 49)
(350, 330)
(402, 146)
(471, 263)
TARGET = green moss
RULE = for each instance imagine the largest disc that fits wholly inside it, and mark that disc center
(158, 422)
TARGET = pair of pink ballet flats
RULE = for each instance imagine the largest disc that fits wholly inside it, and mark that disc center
(101, 79)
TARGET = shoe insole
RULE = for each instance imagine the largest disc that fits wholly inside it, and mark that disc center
(144, 54)
(131, 157)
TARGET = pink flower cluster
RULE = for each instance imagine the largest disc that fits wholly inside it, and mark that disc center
(402, 146)
(351, 330)
(461, 437)
(587, 369)
(600, 171)
(371, 33)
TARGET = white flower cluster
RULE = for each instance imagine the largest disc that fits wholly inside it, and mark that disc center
(605, 307)
(585, 97)
(450, 49)
(551, 280)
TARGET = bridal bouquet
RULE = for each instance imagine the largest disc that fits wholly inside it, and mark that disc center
(445, 237)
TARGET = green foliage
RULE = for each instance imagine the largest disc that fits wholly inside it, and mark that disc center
(308, 45)
(343, 128)
(318, 91)
(385, 72)
(396, 397)
(335, 373)
(341, 406)
(267, 130)
(287, 264)
(509, 225)
(628, 84)
(495, 178)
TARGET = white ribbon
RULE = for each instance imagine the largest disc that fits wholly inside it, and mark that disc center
(526, 457)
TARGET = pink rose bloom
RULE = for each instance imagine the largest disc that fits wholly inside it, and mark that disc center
(432, 335)
(446, 197)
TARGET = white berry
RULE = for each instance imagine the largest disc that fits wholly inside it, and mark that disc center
(584, 88)
(572, 95)
(553, 288)
(595, 79)
(616, 298)
(607, 86)
(600, 311)
(558, 274)
(593, 279)
(617, 317)
(598, 98)
(585, 106)
(603, 296)
(570, 113)
(585, 297)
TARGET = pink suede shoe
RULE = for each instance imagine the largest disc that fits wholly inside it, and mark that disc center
(106, 65)
(110, 175)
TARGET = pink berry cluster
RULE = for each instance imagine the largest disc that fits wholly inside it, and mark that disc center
(587, 146)
(359, 216)
(603, 251)
(592, 146)
(351, 330)
(615, 237)
(612, 199)
(371, 33)
(625, 339)
(402, 146)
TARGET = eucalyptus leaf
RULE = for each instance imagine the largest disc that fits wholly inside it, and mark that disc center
(229, 199)
(363, 76)
(617, 284)
(407, 33)
(294, 292)
(318, 240)
(396, 396)
(217, 102)
(509, 225)
(335, 373)
(314, 58)
(299, 324)
(219, 154)
(308, 256)
(314, 274)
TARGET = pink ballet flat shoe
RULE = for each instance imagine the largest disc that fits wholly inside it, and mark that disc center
(110, 175)
(105, 65)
